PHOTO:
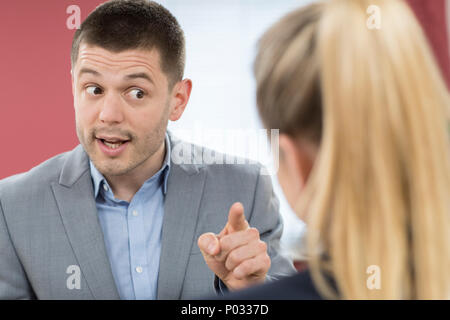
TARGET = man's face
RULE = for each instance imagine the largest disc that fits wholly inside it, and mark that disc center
(122, 105)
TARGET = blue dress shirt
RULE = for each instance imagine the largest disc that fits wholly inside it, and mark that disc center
(132, 231)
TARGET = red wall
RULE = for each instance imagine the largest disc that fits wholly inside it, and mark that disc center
(36, 109)
(433, 17)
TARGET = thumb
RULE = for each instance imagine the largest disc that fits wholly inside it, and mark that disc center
(210, 247)
(209, 244)
(236, 218)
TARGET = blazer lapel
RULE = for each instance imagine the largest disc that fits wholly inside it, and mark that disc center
(184, 190)
(74, 195)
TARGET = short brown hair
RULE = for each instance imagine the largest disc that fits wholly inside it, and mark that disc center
(286, 68)
(120, 25)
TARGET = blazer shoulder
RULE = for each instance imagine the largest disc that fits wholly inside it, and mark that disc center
(216, 160)
(193, 156)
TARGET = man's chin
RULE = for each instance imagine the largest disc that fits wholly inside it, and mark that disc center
(111, 167)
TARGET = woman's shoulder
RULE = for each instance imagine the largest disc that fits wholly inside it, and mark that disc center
(298, 286)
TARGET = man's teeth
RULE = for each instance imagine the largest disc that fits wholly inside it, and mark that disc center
(114, 145)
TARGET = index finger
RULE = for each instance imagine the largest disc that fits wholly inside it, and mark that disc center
(236, 218)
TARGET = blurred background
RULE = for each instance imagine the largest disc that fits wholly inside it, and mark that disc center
(37, 117)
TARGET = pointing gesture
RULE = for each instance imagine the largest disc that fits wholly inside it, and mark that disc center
(236, 220)
(236, 255)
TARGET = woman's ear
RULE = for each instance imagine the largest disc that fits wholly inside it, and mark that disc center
(180, 97)
(296, 162)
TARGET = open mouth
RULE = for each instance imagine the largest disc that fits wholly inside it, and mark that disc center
(113, 145)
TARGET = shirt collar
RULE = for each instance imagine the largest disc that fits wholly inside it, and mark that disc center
(98, 179)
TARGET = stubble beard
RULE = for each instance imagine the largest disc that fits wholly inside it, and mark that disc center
(139, 150)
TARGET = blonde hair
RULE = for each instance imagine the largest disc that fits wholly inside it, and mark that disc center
(376, 104)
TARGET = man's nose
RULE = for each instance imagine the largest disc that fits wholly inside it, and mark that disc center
(111, 110)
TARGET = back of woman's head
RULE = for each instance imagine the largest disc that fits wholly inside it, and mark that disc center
(374, 102)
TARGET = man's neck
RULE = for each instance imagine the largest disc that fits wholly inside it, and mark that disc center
(125, 186)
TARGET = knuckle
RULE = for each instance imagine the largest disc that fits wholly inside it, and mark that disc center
(245, 267)
(262, 246)
(229, 265)
(225, 244)
(233, 257)
(253, 232)
(220, 257)
(267, 261)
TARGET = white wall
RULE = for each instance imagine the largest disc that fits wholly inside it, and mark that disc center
(221, 41)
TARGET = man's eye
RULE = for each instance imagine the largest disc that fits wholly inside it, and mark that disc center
(93, 90)
(137, 94)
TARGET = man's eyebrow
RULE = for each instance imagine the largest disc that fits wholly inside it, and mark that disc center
(141, 75)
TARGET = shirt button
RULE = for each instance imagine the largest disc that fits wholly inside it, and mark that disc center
(139, 269)
(105, 187)
(135, 213)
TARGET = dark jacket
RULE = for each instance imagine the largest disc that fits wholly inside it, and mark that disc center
(297, 287)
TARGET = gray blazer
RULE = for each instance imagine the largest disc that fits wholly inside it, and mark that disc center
(49, 222)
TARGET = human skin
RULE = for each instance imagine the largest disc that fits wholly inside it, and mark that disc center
(111, 105)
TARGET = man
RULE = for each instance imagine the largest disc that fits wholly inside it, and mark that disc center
(121, 216)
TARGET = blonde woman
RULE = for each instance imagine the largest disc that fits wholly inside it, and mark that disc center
(364, 150)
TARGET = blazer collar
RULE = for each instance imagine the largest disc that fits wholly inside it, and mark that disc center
(77, 162)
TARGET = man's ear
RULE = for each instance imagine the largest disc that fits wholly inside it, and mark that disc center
(73, 83)
(180, 97)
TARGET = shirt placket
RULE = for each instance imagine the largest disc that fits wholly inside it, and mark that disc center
(138, 257)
